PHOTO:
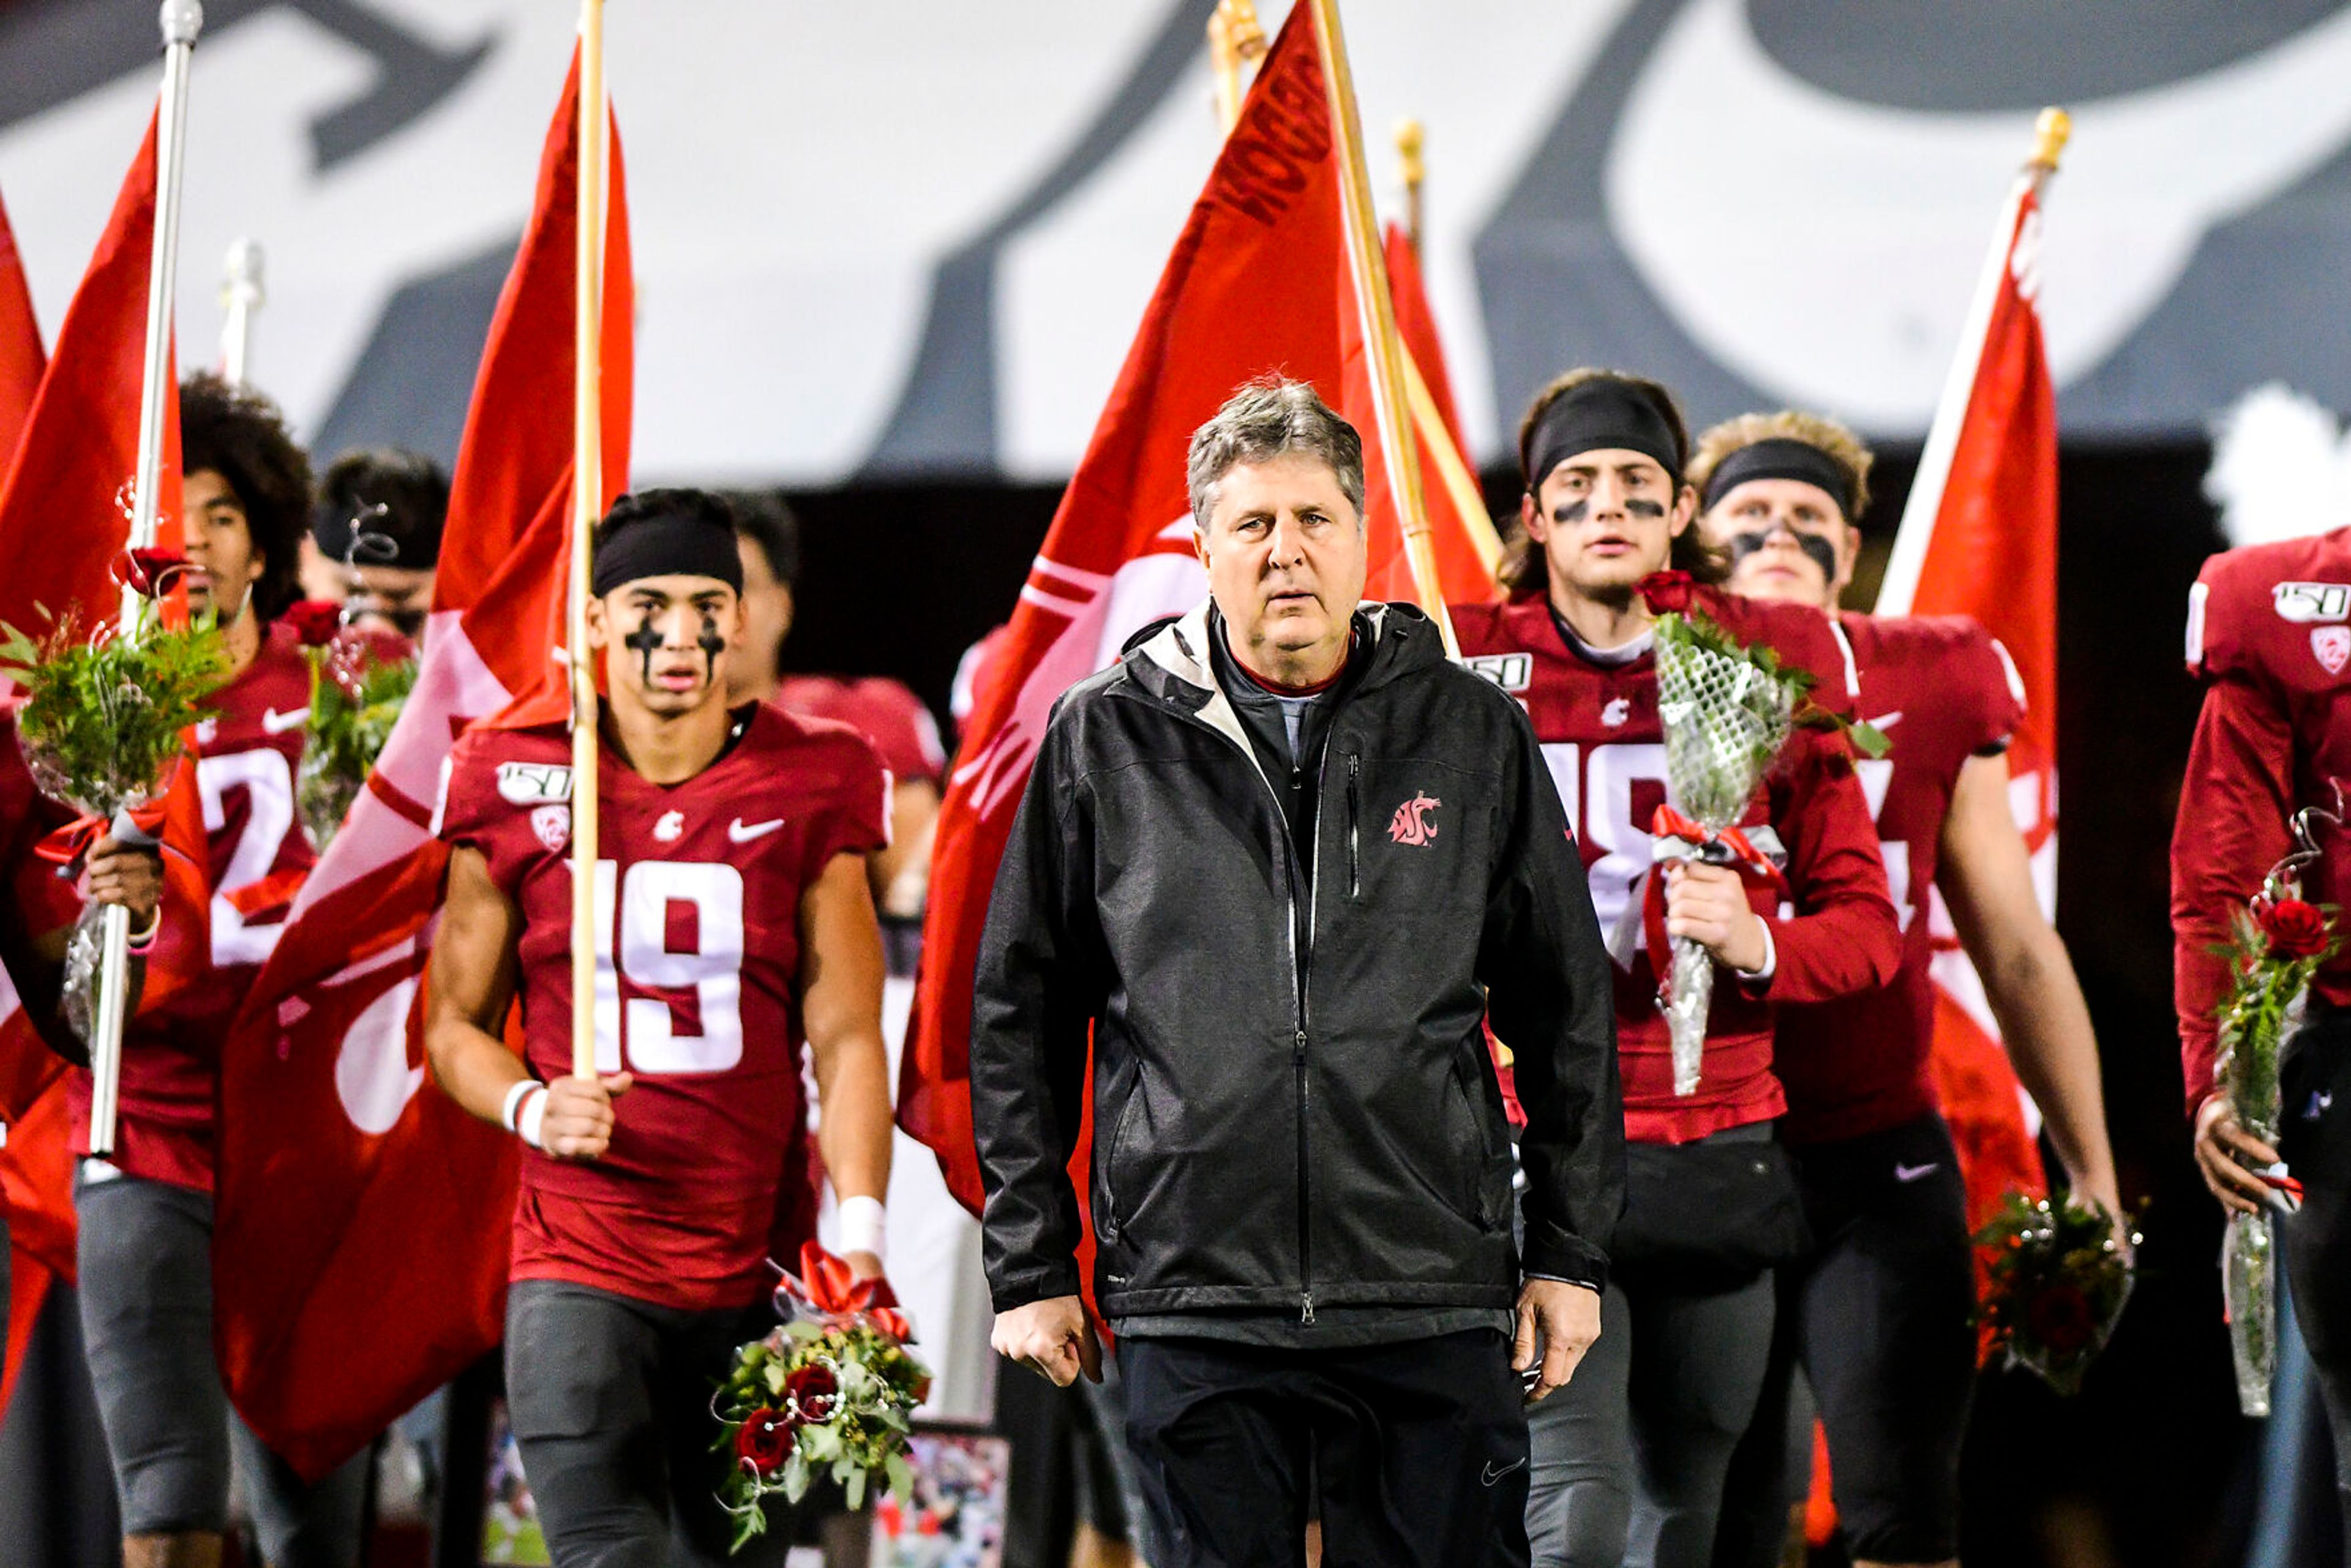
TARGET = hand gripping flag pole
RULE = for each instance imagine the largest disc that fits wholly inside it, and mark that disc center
(587, 465)
(1382, 351)
(181, 21)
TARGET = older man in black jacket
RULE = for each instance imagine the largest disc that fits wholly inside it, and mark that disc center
(1282, 862)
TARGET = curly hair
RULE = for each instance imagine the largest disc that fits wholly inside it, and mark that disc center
(239, 435)
(1523, 569)
(1832, 440)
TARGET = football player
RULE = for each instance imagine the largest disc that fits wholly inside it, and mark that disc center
(1878, 1311)
(1686, 1316)
(144, 1252)
(732, 921)
(2269, 631)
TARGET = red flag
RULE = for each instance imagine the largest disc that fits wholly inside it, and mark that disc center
(21, 358)
(36, 1187)
(1256, 283)
(1978, 538)
(362, 1227)
(1461, 572)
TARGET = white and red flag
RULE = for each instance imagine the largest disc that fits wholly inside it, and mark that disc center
(70, 437)
(363, 1227)
(1978, 538)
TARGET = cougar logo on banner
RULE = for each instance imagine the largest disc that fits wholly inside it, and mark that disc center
(1410, 824)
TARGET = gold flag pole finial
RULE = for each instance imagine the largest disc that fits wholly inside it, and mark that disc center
(1411, 137)
(1236, 41)
(2050, 134)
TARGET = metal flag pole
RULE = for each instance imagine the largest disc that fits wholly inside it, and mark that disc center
(1382, 356)
(241, 295)
(587, 496)
(181, 21)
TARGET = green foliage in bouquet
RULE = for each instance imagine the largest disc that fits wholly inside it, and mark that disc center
(834, 1398)
(355, 699)
(2056, 1282)
(103, 713)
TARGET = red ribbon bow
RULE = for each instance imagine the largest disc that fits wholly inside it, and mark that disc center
(66, 846)
(1729, 847)
(825, 1288)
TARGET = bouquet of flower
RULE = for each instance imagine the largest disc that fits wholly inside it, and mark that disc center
(1726, 710)
(356, 695)
(2279, 943)
(2057, 1282)
(101, 723)
(833, 1390)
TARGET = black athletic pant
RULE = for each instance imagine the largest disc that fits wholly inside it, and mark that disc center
(1416, 1452)
(2314, 1137)
(1878, 1316)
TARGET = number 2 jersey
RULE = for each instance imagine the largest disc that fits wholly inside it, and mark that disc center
(1942, 691)
(1597, 720)
(697, 930)
(2269, 630)
(230, 820)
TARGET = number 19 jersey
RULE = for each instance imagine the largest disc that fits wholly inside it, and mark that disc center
(698, 958)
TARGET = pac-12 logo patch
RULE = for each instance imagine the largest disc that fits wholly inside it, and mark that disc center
(1410, 825)
(553, 825)
(2333, 646)
(2306, 602)
(534, 783)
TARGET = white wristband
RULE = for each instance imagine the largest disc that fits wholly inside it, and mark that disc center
(865, 1227)
(525, 1111)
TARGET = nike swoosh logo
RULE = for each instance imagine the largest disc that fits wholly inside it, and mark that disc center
(1912, 1173)
(276, 723)
(1490, 1474)
(737, 833)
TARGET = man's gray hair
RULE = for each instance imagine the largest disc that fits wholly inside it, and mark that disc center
(1268, 419)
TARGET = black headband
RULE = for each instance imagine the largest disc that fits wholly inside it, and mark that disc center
(1602, 415)
(668, 546)
(1782, 458)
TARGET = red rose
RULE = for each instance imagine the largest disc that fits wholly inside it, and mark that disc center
(2059, 1317)
(1668, 592)
(314, 621)
(149, 572)
(765, 1439)
(2295, 929)
(811, 1389)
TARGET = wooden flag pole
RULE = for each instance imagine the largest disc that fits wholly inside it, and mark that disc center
(241, 295)
(1899, 587)
(181, 21)
(1236, 41)
(1382, 355)
(587, 497)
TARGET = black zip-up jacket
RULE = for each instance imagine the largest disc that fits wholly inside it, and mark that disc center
(1293, 1108)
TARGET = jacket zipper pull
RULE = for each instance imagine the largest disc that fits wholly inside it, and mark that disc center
(1354, 857)
(1298, 1049)
(1306, 1308)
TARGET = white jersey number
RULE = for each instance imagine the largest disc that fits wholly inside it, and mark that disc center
(1877, 776)
(713, 972)
(267, 781)
(1597, 789)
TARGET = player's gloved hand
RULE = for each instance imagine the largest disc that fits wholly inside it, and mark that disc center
(1052, 1338)
(2224, 1151)
(1558, 1321)
(579, 1119)
(128, 874)
(1708, 904)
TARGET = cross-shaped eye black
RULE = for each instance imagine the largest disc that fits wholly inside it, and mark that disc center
(713, 641)
(647, 641)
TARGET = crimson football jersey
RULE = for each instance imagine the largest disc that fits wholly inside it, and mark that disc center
(2268, 629)
(41, 901)
(1941, 690)
(1598, 725)
(884, 711)
(698, 958)
(230, 810)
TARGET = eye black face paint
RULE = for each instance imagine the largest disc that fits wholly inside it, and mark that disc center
(1823, 553)
(1642, 506)
(1570, 512)
(647, 641)
(712, 641)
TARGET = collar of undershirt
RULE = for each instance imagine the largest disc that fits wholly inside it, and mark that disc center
(1608, 658)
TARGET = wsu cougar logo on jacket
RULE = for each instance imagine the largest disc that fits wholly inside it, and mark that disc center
(1410, 825)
